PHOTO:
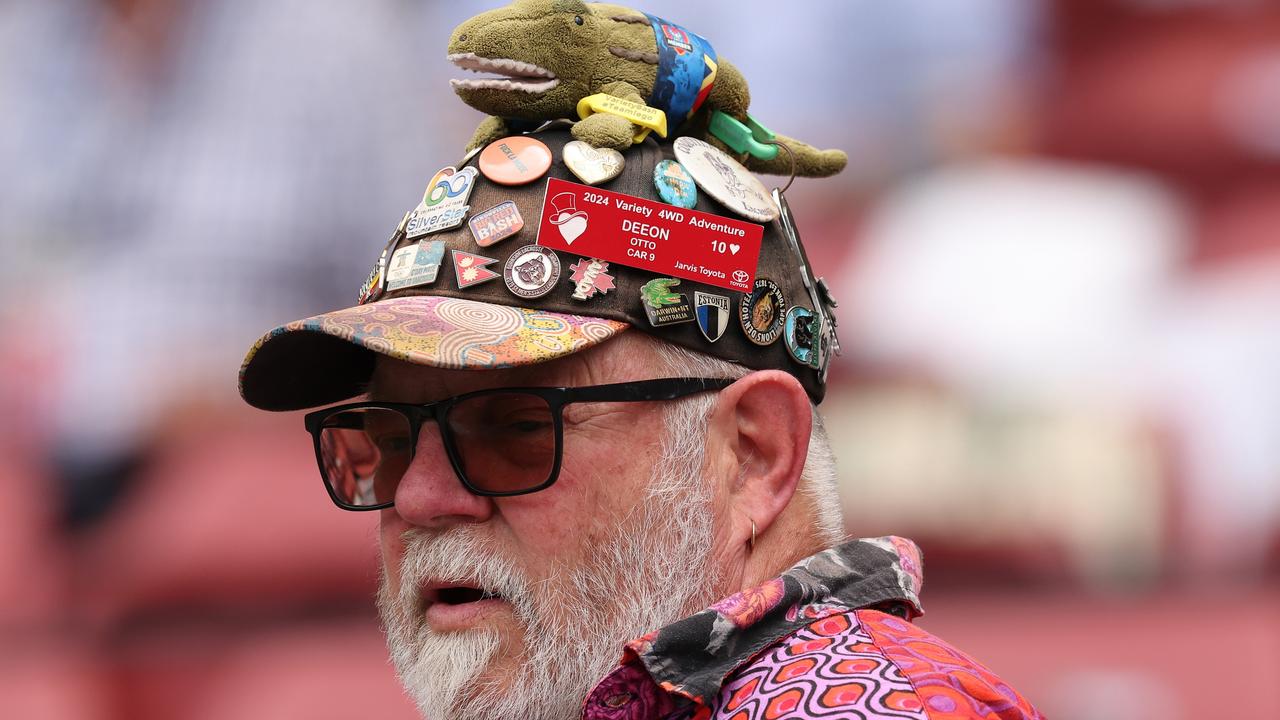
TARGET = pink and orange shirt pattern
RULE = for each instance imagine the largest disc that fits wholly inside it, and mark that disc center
(830, 638)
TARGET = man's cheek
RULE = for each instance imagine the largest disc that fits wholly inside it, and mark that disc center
(391, 547)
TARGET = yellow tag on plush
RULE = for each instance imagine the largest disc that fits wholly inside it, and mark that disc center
(638, 113)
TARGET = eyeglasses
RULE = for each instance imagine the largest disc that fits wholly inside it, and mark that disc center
(500, 442)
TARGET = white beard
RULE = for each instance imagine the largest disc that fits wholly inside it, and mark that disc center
(657, 569)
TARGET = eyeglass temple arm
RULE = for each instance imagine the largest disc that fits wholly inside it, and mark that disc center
(646, 390)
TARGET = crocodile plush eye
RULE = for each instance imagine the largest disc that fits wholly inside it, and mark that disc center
(577, 19)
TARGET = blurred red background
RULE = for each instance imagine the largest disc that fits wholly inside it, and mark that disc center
(1057, 251)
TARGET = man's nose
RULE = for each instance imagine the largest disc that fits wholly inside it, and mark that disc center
(430, 493)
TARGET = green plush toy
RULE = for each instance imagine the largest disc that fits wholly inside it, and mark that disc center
(551, 54)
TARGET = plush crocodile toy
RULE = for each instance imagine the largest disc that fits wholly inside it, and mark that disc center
(550, 54)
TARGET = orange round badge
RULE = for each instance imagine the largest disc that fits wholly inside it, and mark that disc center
(515, 160)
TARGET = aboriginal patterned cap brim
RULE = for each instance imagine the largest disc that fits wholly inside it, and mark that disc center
(329, 357)
(471, 312)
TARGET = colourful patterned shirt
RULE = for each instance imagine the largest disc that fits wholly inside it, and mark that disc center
(829, 638)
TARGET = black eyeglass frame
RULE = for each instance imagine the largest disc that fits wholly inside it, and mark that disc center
(557, 398)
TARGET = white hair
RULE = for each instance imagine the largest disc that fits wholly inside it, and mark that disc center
(686, 421)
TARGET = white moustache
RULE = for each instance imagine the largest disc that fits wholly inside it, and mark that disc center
(461, 555)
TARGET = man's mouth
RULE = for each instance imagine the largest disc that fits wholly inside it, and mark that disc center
(515, 74)
(460, 595)
(449, 606)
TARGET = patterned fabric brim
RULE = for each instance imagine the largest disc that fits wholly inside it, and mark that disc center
(329, 357)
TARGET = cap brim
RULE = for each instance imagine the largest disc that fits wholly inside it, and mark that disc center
(329, 357)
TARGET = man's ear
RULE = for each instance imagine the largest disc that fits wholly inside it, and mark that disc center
(764, 420)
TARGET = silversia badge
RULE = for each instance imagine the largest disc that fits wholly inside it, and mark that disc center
(444, 205)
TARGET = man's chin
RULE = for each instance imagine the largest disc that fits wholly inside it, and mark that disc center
(445, 672)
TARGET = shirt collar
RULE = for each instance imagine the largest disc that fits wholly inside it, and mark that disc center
(692, 657)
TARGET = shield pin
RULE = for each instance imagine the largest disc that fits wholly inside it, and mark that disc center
(713, 314)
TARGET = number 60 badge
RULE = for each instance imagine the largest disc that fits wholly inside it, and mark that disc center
(444, 204)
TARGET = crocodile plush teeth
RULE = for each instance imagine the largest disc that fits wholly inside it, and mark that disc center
(516, 74)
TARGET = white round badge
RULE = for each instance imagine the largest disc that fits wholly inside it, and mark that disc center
(531, 271)
(725, 179)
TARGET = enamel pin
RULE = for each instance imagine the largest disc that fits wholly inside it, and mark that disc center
(592, 165)
(763, 312)
(712, 312)
(496, 224)
(444, 205)
(590, 277)
(663, 305)
(415, 265)
(471, 269)
(531, 271)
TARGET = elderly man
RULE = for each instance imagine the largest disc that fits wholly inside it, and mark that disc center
(605, 492)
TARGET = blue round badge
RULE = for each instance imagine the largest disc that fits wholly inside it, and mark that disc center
(675, 184)
(803, 336)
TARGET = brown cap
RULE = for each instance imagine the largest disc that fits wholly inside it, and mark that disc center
(472, 316)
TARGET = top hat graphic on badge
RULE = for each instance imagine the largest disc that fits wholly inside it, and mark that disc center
(568, 219)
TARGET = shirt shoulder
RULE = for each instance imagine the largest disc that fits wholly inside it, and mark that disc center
(865, 664)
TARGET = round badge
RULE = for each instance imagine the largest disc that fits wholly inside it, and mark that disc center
(763, 312)
(725, 179)
(802, 336)
(675, 184)
(531, 271)
(515, 160)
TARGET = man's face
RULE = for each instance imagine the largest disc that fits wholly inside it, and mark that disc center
(514, 607)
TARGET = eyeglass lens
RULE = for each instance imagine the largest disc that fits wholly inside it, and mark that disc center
(504, 442)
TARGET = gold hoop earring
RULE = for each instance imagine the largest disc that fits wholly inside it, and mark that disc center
(752, 545)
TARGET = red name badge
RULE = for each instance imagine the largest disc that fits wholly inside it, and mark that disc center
(653, 236)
